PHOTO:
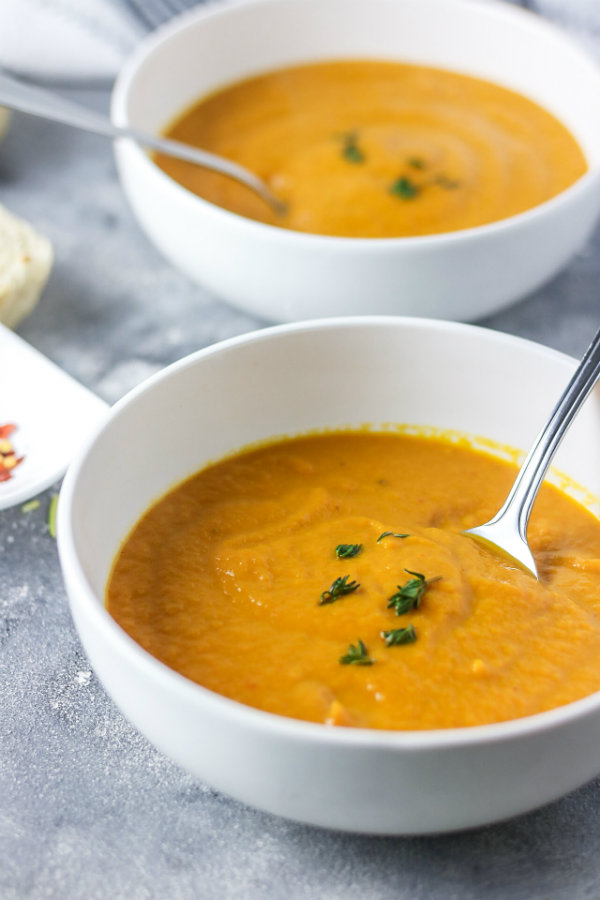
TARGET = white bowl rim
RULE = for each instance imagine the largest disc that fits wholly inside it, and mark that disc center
(145, 49)
(286, 727)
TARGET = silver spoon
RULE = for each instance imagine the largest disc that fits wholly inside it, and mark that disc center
(507, 530)
(38, 102)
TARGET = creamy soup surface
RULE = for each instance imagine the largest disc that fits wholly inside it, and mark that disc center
(326, 578)
(378, 149)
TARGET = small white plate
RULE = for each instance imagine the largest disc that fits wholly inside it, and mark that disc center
(52, 413)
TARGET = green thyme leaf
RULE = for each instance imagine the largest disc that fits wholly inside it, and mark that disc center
(405, 189)
(338, 588)
(409, 595)
(398, 636)
(30, 506)
(395, 534)
(351, 152)
(347, 551)
(357, 655)
(416, 162)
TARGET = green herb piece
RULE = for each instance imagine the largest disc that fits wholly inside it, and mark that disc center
(396, 534)
(416, 162)
(450, 184)
(398, 636)
(357, 655)
(409, 595)
(352, 153)
(52, 515)
(350, 149)
(347, 551)
(338, 588)
(405, 188)
(30, 506)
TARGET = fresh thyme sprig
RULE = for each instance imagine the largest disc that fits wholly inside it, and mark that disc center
(408, 596)
(339, 587)
(395, 534)
(351, 151)
(347, 551)
(405, 188)
(357, 655)
(398, 636)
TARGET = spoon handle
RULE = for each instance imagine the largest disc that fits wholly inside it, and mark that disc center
(39, 102)
(523, 493)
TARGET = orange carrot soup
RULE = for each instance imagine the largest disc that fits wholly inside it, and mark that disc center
(378, 149)
(326, 578)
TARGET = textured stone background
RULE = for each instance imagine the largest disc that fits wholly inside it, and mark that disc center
(88, 809)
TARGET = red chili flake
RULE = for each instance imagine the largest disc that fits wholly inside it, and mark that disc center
(8, 458)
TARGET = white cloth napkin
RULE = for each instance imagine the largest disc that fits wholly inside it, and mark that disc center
(87, 40)
(580, 17)
(66, 40)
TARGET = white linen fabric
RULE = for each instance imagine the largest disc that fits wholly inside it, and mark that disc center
(70, 40)
(581, 17)
(87, 40)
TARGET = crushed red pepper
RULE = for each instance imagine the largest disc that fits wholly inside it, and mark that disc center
(8, 458)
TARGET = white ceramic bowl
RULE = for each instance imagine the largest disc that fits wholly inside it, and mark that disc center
(287, 380)
(287, 276)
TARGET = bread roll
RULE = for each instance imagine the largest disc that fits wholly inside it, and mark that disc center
(25, 263)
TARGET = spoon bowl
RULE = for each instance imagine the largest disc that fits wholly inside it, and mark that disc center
(507, 530)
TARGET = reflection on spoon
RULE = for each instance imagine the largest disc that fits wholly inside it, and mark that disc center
(38, 102)
(507, 530)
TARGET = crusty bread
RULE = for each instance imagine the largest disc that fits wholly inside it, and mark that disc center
(25, 263)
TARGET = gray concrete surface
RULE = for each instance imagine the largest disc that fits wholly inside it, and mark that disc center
(88, 809)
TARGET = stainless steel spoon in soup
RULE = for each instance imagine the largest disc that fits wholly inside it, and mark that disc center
(15, 94)
(507, 530)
